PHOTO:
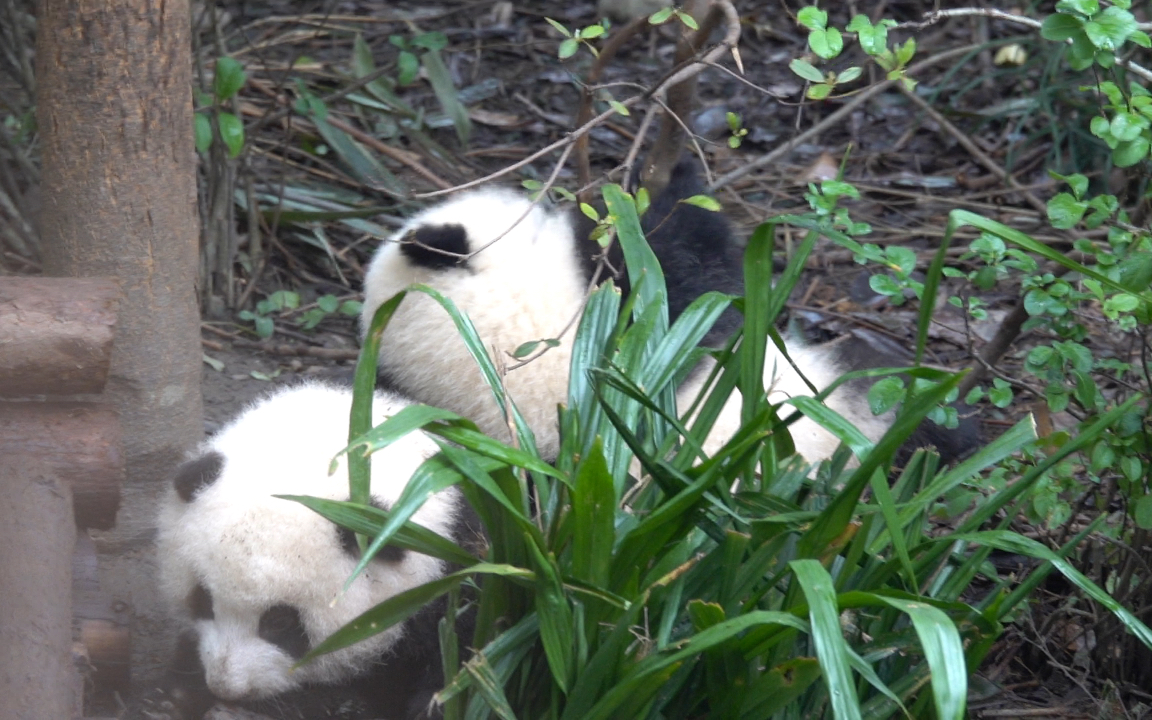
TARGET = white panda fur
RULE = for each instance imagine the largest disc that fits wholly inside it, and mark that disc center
(221, 531)
(530, 283)
(526, 286)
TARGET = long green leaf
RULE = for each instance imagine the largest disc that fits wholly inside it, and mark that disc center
(831, 648)
(368, 520)
(488, 369)
(944, 652)
(1015, 543)
(555, 616)
(363, 392)
(635, 682)
(399, 608)
(593, 510)
(441, 81)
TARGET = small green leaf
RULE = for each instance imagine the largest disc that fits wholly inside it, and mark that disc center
(660, 16)
(849, 75)
(525, 349)
(352, 308)
(1142, 513)
(590, 212)
(806, 71)
(819, 92)
(232, 132)
(229, 78)
(1130, 153)
(812, 18)
(434, 41)
(1000, 394)
(592, 31)
(212, 362)
(1065, 211)
(703, 201)
(408, 66)
(328, 303)
(688, 21)
(264, 326)
(563, 30)
(885, 394)
(202, 127)
(568, 48)
(1060, 27)
(619, 107)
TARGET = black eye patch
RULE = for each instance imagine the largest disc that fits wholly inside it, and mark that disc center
(195, 475)
(200, 603)
(436, 246)
(281, 626)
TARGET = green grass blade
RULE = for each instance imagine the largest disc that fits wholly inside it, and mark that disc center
(489, 686)
(434, 475)
(644, 273)
(481, 444)
(441, 80)
(470, 467)
(555, 615)
(834, 423)
(368, 520)
(831, 648)
(399, 608)
(593, 335)
(961, 218)
(757, 317)
(363, 392)
(488, 369)
(1015, 543)
(634, 684)
(944, 652)
(362, 164)
(593, 510)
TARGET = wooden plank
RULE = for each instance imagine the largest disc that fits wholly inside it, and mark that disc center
(79, 442)
(56, 335)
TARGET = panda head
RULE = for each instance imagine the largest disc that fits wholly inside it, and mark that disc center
(261, 578)
(516, 270)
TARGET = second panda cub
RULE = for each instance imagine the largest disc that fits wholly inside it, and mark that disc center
(521, 272)
(260, 580)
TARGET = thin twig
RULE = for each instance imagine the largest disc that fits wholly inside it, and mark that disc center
(847, 109)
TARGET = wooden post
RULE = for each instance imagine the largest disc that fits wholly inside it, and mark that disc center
(60, 467)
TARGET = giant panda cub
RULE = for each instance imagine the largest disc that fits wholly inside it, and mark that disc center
(521, 272)
(260, 579)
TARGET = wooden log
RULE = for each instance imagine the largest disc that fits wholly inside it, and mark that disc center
(79, 443)
(104, 638)
(37, 532)
(56, 334)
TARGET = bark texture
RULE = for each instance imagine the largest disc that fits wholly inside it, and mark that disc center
(114, 108)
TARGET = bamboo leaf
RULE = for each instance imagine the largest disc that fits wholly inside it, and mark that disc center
(593, 509)
(831, 648)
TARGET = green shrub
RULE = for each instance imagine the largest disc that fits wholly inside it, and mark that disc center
(741, 585)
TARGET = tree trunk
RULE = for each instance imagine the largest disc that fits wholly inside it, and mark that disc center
(114, 108)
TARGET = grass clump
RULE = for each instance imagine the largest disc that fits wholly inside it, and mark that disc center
(742, 585)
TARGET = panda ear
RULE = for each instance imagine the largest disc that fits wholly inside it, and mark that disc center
(436, 246)
(197, 474)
